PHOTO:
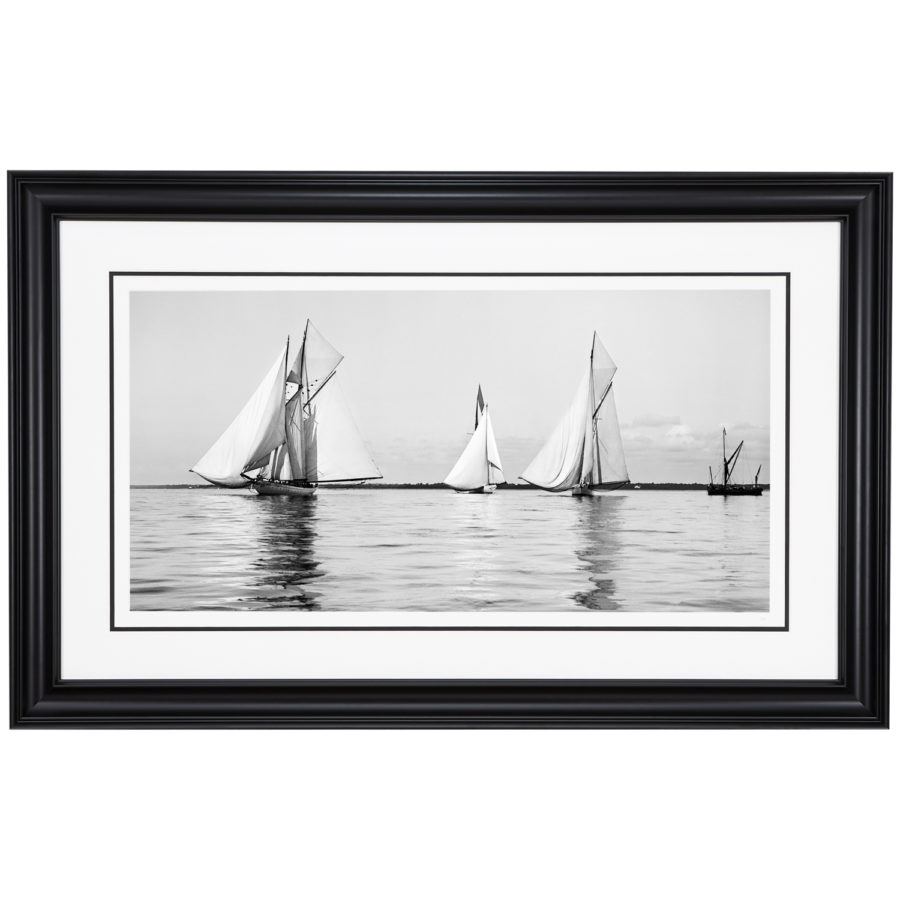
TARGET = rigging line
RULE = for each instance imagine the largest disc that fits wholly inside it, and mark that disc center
(302, 366)
(319, 388)
(608, 389)
(735, 455)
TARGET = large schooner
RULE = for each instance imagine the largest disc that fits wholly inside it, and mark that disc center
(294, 432)
(584, 453)
(478, 469)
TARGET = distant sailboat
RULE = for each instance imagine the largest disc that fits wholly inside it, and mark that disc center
(729, 487)
(478, 470)
(294, 432)
(584, 453)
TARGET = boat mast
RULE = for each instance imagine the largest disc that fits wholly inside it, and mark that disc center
(594, 411)
(303, 361)
(273, 475)
(302, 374)
(732, 460)
(724, 461)
(487, 461)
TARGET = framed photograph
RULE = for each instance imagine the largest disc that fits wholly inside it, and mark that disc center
(449, 450)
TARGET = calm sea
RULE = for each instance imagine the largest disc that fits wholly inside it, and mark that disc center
(386, 549)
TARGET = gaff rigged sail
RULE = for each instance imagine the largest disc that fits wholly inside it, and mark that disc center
(322, 441)
(558, 464)
(296, 427)
(257, 430)
(611, 452)
(334, 450)
(586, 445)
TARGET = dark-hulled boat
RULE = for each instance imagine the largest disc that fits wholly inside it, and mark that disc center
(729, 488)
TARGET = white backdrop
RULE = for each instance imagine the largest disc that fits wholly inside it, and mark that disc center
(471, 85)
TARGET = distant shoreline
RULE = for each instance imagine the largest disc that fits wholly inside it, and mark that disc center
(437, 486)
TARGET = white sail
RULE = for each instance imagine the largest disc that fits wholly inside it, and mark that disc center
(611, 462)
(292, 465)
(471, 470)
(314, 363)
(557, 466)
(333, 449)
(257, 430)
(281, 470)
(495, 467)
(602, 370)
(296, 427)
(586, 446)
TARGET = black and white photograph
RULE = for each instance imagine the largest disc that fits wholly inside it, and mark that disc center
(471, 450)
(449, 451)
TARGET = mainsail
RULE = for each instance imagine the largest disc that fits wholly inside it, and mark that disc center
(309, 433)
(585, 448)
(333, 448)
(479, 464)
(256, 431)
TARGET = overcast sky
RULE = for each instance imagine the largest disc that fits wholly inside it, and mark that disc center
(688, 362)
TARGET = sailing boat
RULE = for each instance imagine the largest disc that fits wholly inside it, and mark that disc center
(728, 488)
(294, 432)
(478, 470)
(584, 453)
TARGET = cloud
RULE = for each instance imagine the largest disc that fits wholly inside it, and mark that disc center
(653, 421)
(683, 452)
(633, 437)
(744, 427)
(681, 436)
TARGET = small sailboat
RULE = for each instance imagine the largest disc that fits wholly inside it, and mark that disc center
(294, 432)
(728, 487)
(584, 453)
(478, 470)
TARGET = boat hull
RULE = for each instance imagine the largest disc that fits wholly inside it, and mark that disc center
(734, 490)
(484, 489)
(282, 489)
(596, 490)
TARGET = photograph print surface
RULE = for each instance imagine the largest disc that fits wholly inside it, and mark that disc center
(583, 452)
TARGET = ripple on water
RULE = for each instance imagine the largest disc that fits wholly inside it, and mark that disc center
(434, 550)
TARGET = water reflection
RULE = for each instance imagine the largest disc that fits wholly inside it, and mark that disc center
(284, 566)
(473, 529)
(362, 550)
(597, 542)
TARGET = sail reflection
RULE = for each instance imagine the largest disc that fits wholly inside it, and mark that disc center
(598, 526)
(285, 566)
(474, 521)
(436, 550)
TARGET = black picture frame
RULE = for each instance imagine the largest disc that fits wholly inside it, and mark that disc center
(39, 201)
